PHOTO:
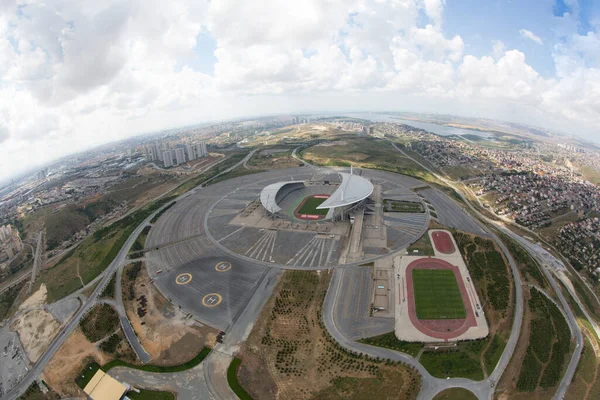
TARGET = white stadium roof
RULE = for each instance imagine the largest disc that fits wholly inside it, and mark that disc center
(353, 189)
(268, 194)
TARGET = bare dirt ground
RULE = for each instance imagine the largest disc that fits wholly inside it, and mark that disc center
(272, 162)
(166, 333)
(36, 329)
(289, 354)
(61, 371)
(38, 298)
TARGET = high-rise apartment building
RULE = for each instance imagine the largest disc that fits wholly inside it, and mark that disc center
(201, 150)
(158, 151)
(190, 151)
(167, 158)
(179, 155)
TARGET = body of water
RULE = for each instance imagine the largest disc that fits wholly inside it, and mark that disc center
(441, 130)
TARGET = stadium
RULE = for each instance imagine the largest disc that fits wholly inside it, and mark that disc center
(329, 196)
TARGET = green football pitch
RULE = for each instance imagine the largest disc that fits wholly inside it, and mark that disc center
(437, 295)
(310, 206)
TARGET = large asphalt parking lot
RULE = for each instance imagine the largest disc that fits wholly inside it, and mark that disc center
(206, 278)
(212, 288)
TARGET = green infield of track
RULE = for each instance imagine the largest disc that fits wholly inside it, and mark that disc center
(310, 207)
(437, 295)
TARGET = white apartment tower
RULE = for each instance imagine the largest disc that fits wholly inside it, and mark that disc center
(167, 157)
(180, 155)
(201, 150)
(190, 151)
(158, 151)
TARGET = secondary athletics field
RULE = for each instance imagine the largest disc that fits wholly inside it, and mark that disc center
(437, 295)
(443, 242)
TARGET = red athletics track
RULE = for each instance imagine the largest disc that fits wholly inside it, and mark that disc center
(443, 242)
(444, 329)
(311, 217)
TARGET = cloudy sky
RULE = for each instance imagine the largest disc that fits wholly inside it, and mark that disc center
(74, 74)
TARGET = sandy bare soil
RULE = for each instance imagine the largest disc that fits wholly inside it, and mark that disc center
(38, 298)
(61, 371)
(36, 330)
(164, 328)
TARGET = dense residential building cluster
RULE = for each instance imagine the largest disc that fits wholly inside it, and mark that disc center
(532, 184)
(180, 154)
(580, 243)
(532, 199)
(443, 152)
(10, 244)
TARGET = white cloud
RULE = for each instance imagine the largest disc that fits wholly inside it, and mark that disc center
(434, 10)
(498, 48)
(531, 36)
(75, 74)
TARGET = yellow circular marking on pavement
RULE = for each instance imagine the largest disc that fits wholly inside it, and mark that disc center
(183, 279)
(212, 300)
(223, 266)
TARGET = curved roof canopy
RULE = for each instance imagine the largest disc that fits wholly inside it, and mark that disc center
(269, 193)
(353, 189)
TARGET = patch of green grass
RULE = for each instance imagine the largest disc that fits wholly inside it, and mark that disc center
(109, 291)
(150, 395)
(591, 174)
(310, 206)
(590, 303)
(493, 353)
(235, 173)
(437, 295)
(402, 206)
(158, 368)
(101, 321)
(457, 364)
(87, 374)
(390, 341)
(94, 255)
(455, 394)
(423, 244)
(232, 379)
(8, 298)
